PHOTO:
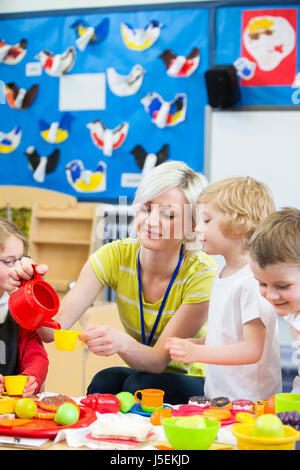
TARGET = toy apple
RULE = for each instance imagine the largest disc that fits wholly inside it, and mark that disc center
(269, 426)
(127, 401)
(192, 422)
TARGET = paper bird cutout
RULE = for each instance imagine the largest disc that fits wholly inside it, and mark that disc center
(86, 181)
(147, 161)
(58, 64)
(19, 98)
(88, 35)
(56, 132)
(180, 66)
(107, 140)
(11, 55)
(165, 113)
(10, 141)
(125, 85)
(140, 39)
(40, 165)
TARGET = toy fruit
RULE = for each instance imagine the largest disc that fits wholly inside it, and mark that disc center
(66, 414)
(102, 402)
(197, 422)
(127, 401)
(25, 408)
(268, 426)
(270, 405)
(158, 415)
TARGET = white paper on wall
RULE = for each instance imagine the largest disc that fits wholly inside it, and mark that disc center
(82, 92)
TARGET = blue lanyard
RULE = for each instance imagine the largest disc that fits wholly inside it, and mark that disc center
(163, 301)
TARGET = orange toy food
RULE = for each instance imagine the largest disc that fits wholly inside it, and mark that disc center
(45, 414)
(221, 403)
(270, 406)
(216, 414)
(52, 403)
(158, 415)
(14, 422)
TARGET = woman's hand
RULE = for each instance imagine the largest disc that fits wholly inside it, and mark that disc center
(104, 340)
(30, 387)
(23, 269)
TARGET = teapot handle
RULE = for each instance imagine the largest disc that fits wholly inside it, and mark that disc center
(48, 322)
(36, 275)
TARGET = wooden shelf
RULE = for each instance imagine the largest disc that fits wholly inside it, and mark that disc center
(62, 236)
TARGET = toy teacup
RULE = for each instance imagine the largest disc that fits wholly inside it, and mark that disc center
(65, 340)
(15, 384)
(152, 399)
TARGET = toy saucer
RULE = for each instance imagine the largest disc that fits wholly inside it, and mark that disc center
(137, 409)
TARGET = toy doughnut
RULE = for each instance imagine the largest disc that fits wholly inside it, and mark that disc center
(199, 401)
(218, 415)
(243, 405)
(52, 403)
(221, 402)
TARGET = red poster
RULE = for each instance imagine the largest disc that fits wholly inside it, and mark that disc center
(269, 39)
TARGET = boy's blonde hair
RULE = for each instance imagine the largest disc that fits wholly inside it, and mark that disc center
(8, 229)
(244, 201)
(277, 239)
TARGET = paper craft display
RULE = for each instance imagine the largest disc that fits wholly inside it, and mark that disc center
(140, 39)
(11, 55)
(147, 161)
(125, 85)
(57, 131)
(56, 65)
(41, 165)
(244, 68)
(89, 35)
(165, 113)
(86, 181)
(269, 40)
(106, 139)
(10, 141)
(19, 98)
(179, 65)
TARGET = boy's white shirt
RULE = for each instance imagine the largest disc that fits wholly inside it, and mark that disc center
(234, 301)
(3, 306)
(293, 320)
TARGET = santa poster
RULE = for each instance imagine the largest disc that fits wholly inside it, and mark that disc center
(269, 44)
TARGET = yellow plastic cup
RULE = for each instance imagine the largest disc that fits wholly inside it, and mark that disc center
(246, 441)
(15, 384)
(65, 340)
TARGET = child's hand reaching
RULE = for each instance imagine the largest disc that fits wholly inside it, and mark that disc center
(30, 387)
(182, 350)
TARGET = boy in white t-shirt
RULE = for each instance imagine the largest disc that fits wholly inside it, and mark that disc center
(241, 349)
(274, 251)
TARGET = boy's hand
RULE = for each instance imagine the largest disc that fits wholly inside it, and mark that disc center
(182, 350)
(30, 387)
(1, 383)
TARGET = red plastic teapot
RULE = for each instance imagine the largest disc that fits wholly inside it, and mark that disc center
(34, 304)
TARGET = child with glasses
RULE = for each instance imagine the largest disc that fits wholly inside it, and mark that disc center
(21, 351)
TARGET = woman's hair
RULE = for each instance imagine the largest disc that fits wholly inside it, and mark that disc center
(8, 229)
(244, 201)
(277, 239)
(167, 175)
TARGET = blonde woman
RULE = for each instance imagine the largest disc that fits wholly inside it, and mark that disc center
(241, 350)
(162, 289)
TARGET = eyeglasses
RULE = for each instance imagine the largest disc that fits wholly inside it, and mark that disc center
(10, 262)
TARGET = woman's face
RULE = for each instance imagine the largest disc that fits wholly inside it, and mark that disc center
(162, 222)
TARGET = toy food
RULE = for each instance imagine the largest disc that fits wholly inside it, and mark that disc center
(158, 415)
(242, 405)
(66, 414)
(216, 414)
(102, 402)
(135, 430)
(44, 414)
(221, 402)
(270, 405)
(192, 422)
(259, 407)
(52, 403)
(25, 408)
(245, 417)
(127, 401)
(269, 426)
(290, 418)
(199, 401)
(7, 405)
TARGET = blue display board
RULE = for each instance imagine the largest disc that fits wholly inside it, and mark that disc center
(262, 42)
(93, 100)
